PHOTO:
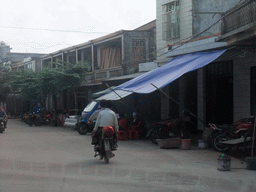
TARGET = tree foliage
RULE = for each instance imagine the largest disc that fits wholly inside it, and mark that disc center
(49, 81)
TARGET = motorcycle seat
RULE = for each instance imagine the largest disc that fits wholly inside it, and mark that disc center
(229, 127)
(226, 127)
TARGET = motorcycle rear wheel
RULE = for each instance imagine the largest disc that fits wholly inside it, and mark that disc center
(106, 159)
(216, 142)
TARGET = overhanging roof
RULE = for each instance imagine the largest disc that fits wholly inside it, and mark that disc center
(170, 71)
(130, 76)
(164, 75)
(115, 95)
(196, 46)
(100, 93)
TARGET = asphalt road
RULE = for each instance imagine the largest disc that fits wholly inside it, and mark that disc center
(59, 159)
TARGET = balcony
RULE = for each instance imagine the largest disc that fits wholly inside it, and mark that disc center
(104, 74)
(240, 19)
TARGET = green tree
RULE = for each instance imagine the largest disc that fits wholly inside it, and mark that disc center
(48, 82)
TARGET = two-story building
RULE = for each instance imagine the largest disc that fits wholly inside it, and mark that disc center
(113, 58)
(224, 90)
(16, 61)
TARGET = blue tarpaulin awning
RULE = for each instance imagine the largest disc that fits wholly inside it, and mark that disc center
(167, 73)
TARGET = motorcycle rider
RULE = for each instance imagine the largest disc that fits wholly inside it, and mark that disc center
(105, 118)
(94, 115)
(3, 114)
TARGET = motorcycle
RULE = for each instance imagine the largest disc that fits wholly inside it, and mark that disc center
(40, 118)
(2, 128)
(236, 130)
(170, 128)
(105, 148)
(28, 118)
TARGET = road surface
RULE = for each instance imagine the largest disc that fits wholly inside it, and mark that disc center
(58, 159)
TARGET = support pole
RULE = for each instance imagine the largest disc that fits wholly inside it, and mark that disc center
(253, 136)
(113, 91)
(177, 103)
(118, 96)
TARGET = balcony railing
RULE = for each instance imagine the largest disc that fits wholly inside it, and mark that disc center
(104, 74)
(240, 19)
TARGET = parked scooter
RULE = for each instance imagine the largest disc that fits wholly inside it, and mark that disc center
(225, 132)
(104, 150)
(170, 128)
(83, 126)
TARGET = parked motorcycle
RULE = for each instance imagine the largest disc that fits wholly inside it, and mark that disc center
(40, 118)
(28, 118)
(83, 126)
(104, 150)
(170, 128)
(220, 133)
(2, 128)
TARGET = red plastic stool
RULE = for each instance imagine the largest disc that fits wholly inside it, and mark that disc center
(122, 135)
(133, 134)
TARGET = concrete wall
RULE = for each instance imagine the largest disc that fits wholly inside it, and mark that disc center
(185, 26)
(195, 17)
(160, 43)
(186, 20)
(131, 66)
(204, 16)
(242, 85)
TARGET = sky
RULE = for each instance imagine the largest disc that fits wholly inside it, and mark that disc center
(45, 26)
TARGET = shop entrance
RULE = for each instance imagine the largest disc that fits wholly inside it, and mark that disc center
(219, 93)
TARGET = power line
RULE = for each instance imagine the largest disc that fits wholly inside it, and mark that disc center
(200, 33)
(57, 30)
(182, 42)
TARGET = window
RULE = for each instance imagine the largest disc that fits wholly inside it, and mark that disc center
(139, 50)
(171, 21)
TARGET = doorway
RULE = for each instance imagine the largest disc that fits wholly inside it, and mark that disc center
(219, 93)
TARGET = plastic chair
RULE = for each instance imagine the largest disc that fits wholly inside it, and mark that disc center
(133, 133)
(122, 135)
